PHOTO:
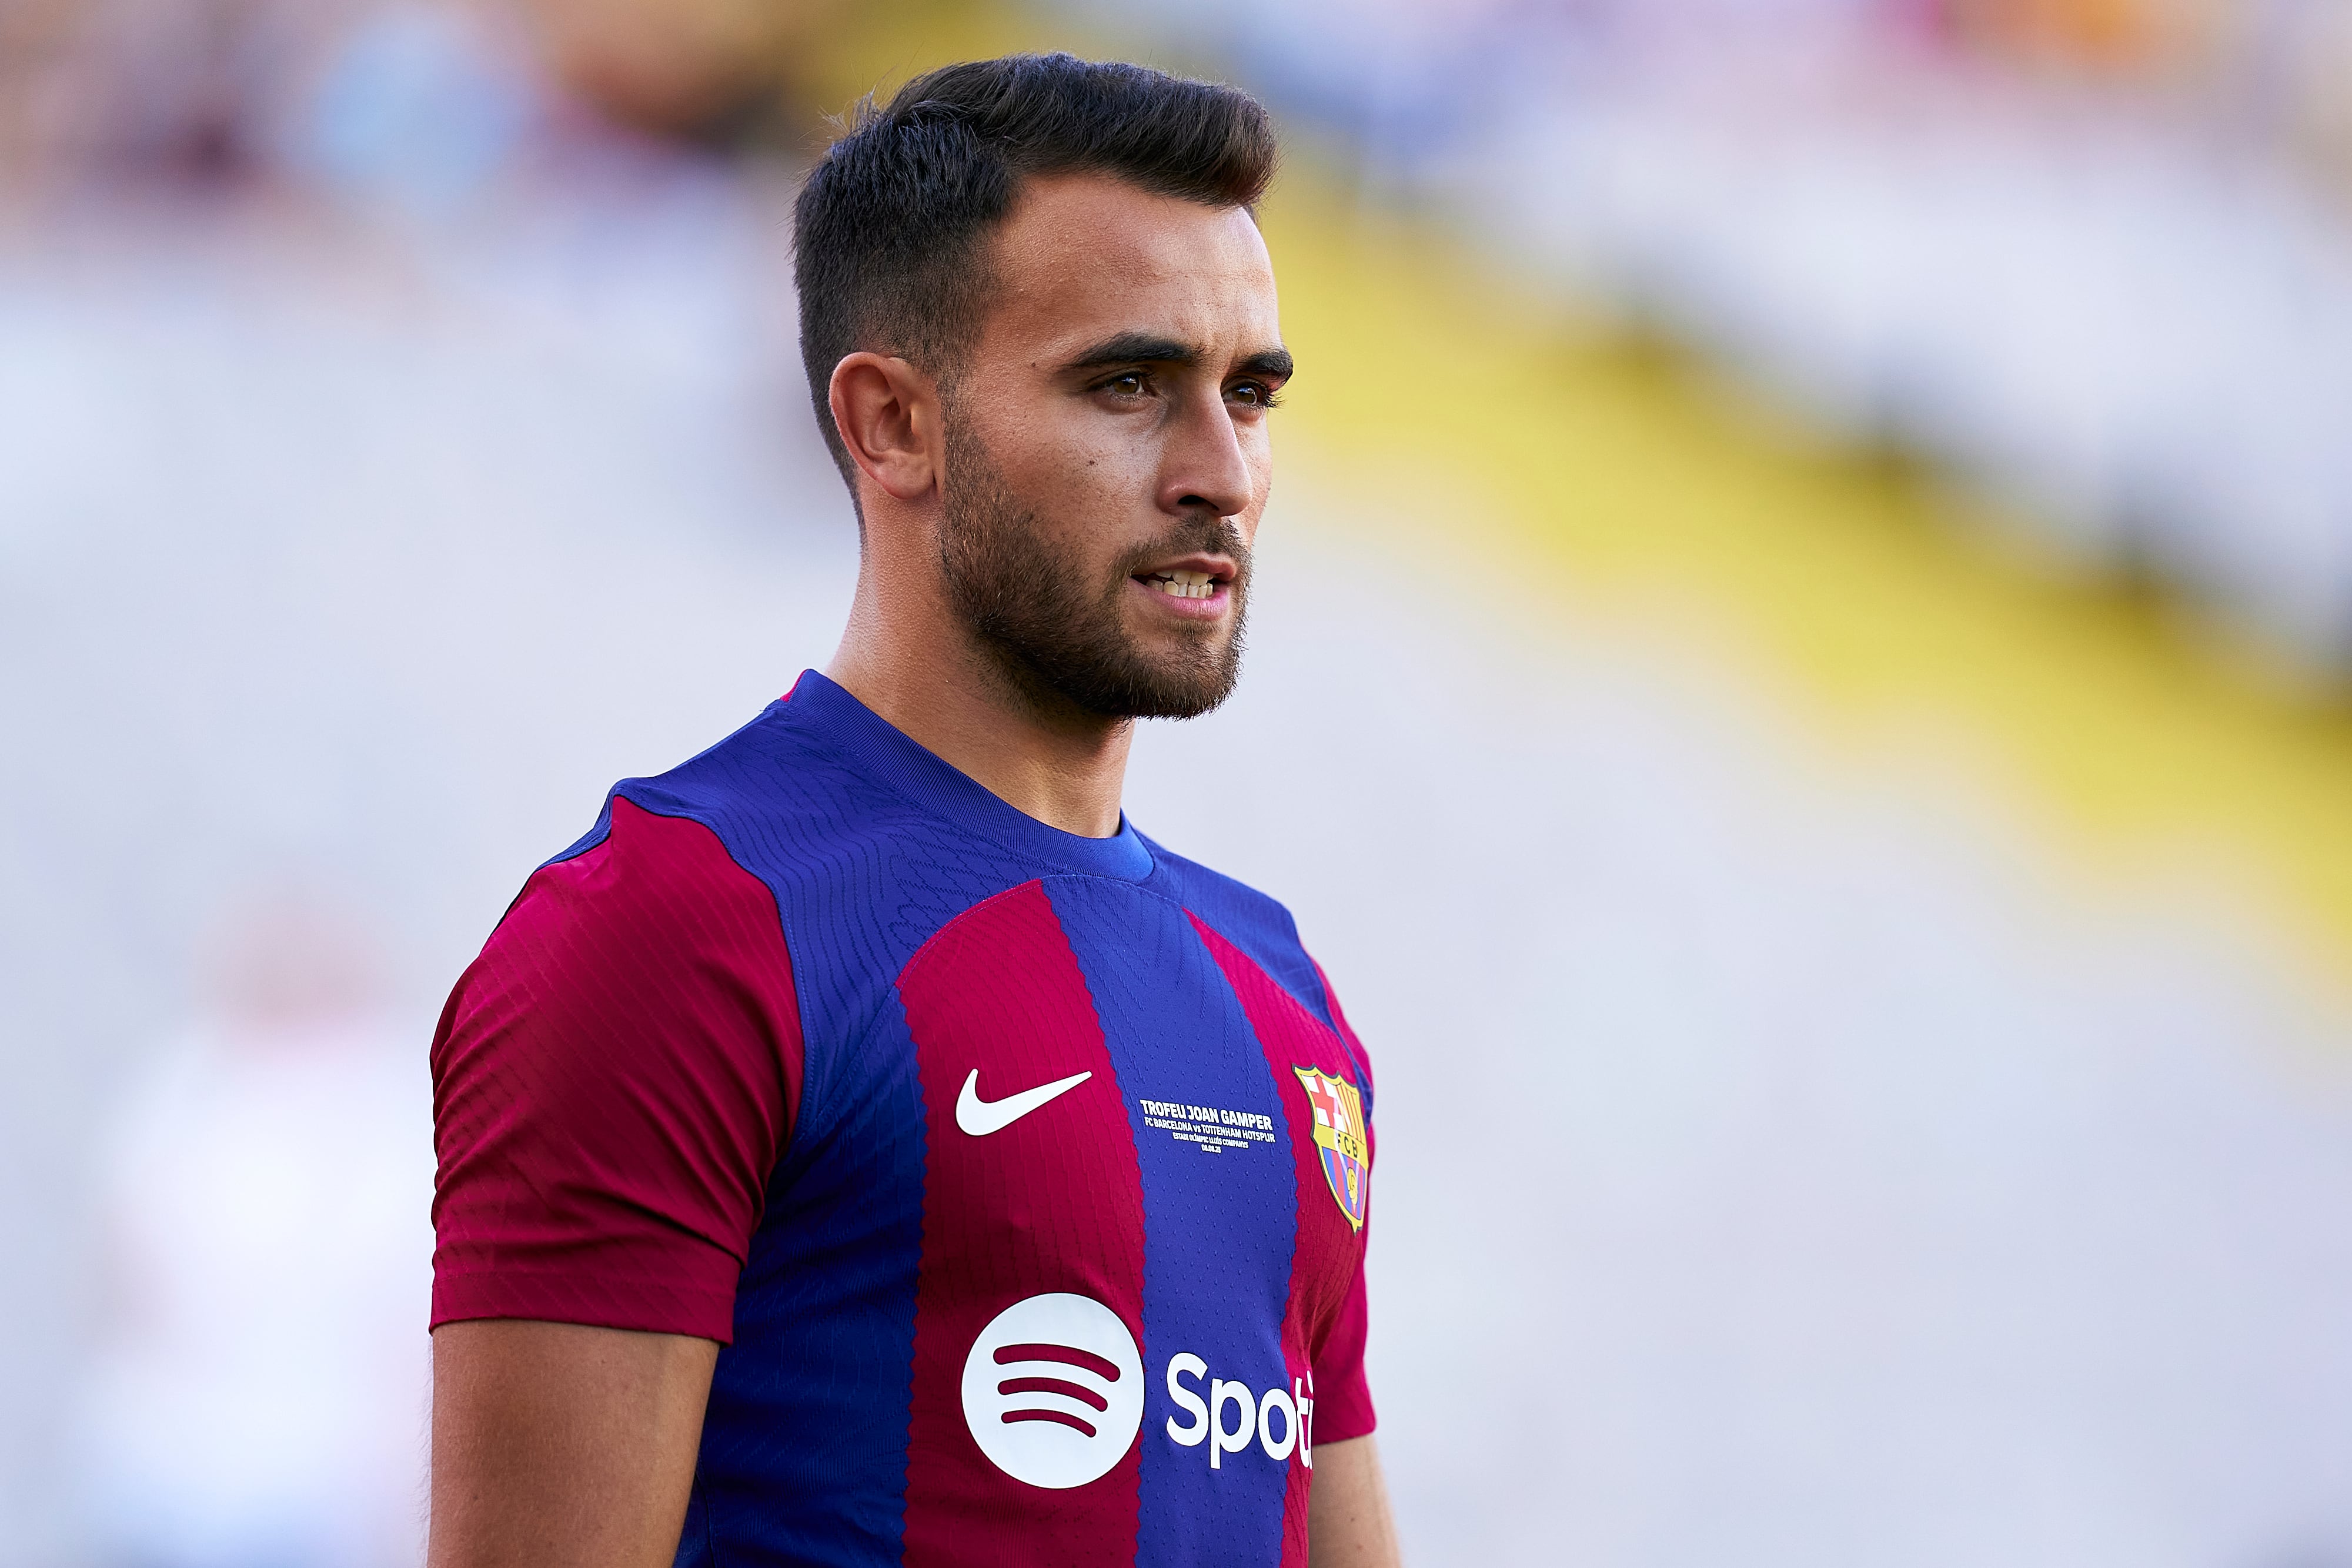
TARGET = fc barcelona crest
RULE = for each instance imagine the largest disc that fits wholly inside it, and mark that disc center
(1339, 1138)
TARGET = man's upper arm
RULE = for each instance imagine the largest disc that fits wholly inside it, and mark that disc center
(614, 1082)
(556, 1444)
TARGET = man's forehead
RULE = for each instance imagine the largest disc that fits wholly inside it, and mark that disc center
(1081, 255)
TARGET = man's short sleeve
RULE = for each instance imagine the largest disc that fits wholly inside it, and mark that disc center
(614, 1081)
(1343, 1399)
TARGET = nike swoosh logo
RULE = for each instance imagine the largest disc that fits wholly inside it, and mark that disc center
(980, 1117)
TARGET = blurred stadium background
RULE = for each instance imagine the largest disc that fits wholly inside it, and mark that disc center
(1800, 692)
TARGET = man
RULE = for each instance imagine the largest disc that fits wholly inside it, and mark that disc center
(1019, 1165)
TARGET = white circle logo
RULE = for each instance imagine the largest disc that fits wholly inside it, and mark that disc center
(1053, 1390)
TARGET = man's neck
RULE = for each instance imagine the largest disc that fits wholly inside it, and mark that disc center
(1043, 755)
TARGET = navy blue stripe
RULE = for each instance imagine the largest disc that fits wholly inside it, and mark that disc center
(1219, 1227)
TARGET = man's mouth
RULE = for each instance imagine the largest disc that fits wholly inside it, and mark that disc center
(1180, 584)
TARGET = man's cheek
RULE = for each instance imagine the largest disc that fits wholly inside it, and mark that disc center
(1107, 487)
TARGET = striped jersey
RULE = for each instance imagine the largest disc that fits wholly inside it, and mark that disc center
(1023, 1176)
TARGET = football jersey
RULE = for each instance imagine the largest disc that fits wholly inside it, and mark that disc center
(1023, 1176)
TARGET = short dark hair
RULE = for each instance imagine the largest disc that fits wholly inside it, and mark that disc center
(889, 230)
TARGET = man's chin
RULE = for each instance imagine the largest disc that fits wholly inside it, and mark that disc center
(1135, 683)
(1184, 673)
(1190, 688)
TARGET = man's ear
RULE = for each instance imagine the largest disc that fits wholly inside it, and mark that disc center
(888, 415)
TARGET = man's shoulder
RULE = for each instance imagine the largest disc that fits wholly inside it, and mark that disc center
(774, 795)
(1255, 922)
(850, 870)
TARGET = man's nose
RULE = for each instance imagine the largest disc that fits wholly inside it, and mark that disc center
(1203, 464)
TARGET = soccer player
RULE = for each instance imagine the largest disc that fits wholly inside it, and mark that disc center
(865, 1146)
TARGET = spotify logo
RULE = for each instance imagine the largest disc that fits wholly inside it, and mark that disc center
(1053, 1390)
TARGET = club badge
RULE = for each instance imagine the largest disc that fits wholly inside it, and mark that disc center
(1339, 1138)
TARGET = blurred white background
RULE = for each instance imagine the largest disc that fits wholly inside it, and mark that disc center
(1788, 1157)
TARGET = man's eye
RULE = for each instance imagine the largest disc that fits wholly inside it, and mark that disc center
(1127, 385)
(1252, 395)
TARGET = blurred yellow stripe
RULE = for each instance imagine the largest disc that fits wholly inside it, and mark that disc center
(1432, 389)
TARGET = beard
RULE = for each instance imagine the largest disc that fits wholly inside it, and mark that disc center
(1052, 629)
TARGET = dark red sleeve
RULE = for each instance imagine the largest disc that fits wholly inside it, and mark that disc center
(612, 1082)
(1343, 1399)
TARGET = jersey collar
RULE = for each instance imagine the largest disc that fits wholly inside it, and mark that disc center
(867, 738)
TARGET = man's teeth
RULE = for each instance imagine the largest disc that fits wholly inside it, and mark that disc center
(1184, 584)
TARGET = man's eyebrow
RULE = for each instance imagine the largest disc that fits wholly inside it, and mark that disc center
(1143, 348)
(1271, 362)
(1133, 349)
